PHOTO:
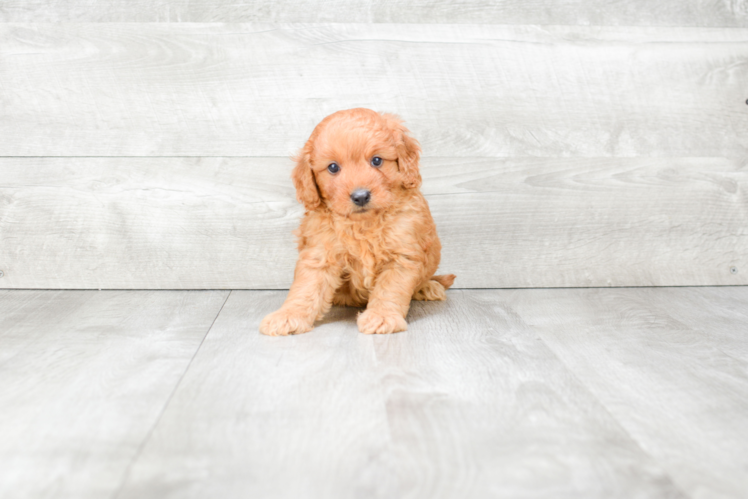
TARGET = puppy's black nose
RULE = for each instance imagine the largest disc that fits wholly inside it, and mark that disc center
(361, 197)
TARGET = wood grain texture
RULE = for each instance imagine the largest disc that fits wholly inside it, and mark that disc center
(84, 376)
(141, 89)
(523, 393)
(570, 12)
(148, 223)
(259, 416)
(673, 384)
(479, 407)
(585, 12)
(719, 314)
(465, 403)
(227, 222)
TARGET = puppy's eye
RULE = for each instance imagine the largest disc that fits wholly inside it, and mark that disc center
(333, 168)
(376, 162)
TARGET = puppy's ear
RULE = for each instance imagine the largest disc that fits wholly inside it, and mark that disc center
(307, 191)
(408, 151)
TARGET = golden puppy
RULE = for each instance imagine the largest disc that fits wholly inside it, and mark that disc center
(367, 237)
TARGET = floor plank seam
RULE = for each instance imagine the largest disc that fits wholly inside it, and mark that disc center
(148, 436)
(624, 430)
(381, 370)
(644, 451)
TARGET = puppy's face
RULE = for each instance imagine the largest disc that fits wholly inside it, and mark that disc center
(357, 162)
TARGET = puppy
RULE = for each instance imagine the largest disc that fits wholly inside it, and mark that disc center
(367, 237)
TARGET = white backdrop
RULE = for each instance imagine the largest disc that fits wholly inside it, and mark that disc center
(567, 144)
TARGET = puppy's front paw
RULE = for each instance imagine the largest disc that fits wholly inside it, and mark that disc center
(284, 323)
(371, 321)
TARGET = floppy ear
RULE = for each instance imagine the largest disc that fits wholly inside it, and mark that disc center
(408, 151)
(307, 191)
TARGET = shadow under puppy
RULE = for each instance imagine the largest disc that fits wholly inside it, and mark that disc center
(367, 237)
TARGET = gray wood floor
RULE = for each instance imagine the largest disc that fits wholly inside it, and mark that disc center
(623, 392)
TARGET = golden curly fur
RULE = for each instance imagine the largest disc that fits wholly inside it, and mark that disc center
(379, 251)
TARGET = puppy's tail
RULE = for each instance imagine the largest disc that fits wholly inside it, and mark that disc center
(445, 280)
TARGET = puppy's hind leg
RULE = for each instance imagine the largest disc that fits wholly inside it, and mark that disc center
(435, 288)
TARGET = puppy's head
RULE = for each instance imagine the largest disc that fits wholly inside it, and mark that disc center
(357, 162)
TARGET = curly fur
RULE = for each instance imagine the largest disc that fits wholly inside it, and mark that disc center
(380, 256)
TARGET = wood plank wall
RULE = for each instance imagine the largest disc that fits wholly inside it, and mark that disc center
(573, 143)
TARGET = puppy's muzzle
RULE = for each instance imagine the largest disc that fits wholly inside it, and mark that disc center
(361, 197)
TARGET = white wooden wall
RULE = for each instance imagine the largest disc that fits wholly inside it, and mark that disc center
(146, 144)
